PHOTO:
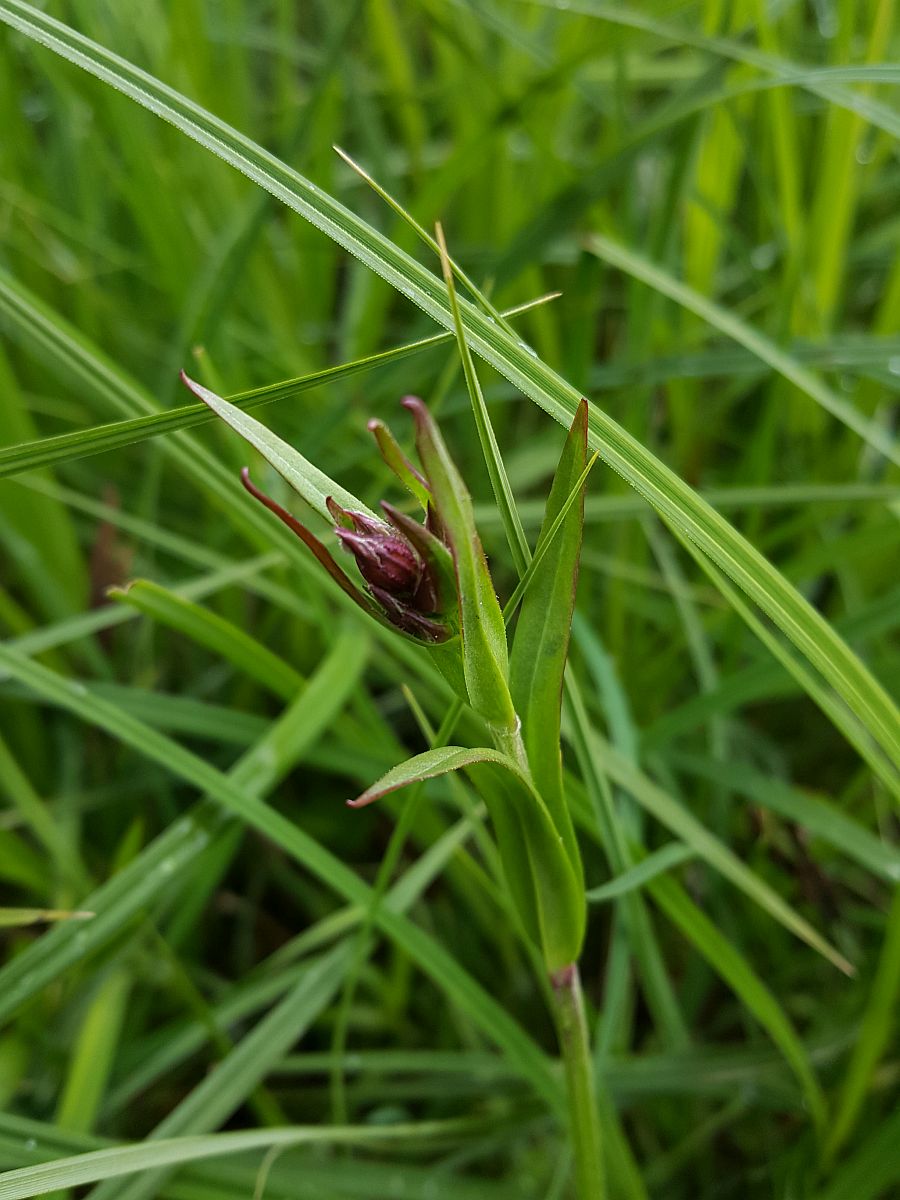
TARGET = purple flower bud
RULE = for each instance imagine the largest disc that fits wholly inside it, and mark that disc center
(409, 619)
(386, 561)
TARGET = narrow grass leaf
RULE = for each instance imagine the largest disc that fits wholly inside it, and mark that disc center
(240, 801)
(820, 817)
(13, 918)
(665, 859)
(81, 443)
(96, 1165)
(139, 884)
(879, 1021)
(757, 343)
(213, 631)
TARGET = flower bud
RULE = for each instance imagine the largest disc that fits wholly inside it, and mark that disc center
(386, 561)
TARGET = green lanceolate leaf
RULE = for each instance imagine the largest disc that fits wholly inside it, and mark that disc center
(484, 652)
(308, 481)
(547, 890)
(541, 643)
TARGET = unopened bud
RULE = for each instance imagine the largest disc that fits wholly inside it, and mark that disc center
(385, 561)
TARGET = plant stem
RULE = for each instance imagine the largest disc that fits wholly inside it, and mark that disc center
(583, 1112)
(508, 739)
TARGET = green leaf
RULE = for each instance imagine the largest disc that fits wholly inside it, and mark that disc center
(872, 1170)
(879, 1021)
(638, 876)
(399, 463)
(126, 1160)
(482, 629)
(80, 443)
(541, 643)
(140, 883)
(547, 890)
(209, 629)
(307, 481)
(240, 797)
(93, 1051)
(816, 814)
(11, 918)
(212, 1101)
(500, 485)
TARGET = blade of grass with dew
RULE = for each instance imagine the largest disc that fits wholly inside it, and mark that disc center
(65, 447)
(437, 245)
(116, 1161)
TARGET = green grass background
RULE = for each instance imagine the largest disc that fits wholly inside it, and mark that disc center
(712, 189)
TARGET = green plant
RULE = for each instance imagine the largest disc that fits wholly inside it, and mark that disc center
(431, 583)
(710, 188)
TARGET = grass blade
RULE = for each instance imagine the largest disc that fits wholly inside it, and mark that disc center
(657, 863)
